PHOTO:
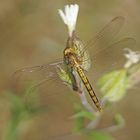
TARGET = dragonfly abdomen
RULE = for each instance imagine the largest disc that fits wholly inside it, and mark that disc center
(88, 87)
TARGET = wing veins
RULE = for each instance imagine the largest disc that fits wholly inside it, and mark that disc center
(111, 29)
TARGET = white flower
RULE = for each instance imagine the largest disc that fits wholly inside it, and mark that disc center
(69, 16)
(132, 57)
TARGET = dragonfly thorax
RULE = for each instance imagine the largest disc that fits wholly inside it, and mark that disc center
(76, 53)
(70, 57)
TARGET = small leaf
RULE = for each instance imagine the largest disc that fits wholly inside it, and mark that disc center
(16, 103)
(84, 114)
(119, 120)
(79, 118)
(98, 135)
(113, 85)
(64, 76)
(79, 125)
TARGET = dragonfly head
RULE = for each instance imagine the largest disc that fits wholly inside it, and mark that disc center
(70, 57)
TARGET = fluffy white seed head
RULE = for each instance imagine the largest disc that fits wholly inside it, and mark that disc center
(132, 57)
(69, 16)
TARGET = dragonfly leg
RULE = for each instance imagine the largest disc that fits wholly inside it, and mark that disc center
(74, 82)
(77, 85)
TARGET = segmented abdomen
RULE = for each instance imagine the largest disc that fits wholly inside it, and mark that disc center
(88, 87)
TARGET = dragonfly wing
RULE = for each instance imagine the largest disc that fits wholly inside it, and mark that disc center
(112, 57)
(43, 78)
(36, 75)
(105, 36)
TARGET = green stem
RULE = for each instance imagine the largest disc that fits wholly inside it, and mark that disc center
(12, 130)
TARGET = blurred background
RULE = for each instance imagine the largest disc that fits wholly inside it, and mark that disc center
(32, 33)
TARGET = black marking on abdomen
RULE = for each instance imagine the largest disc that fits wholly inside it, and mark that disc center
(88, 87)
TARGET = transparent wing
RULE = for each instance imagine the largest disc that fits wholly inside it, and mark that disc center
(105, 36)
(112, 58)
(36, 75)
(105, 55)
(42, 79)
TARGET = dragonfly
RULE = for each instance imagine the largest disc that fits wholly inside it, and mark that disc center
(77, 58)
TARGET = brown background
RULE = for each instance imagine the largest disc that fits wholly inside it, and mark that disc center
(32, 33)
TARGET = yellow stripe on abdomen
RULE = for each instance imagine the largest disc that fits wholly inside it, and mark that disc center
(88, 87)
